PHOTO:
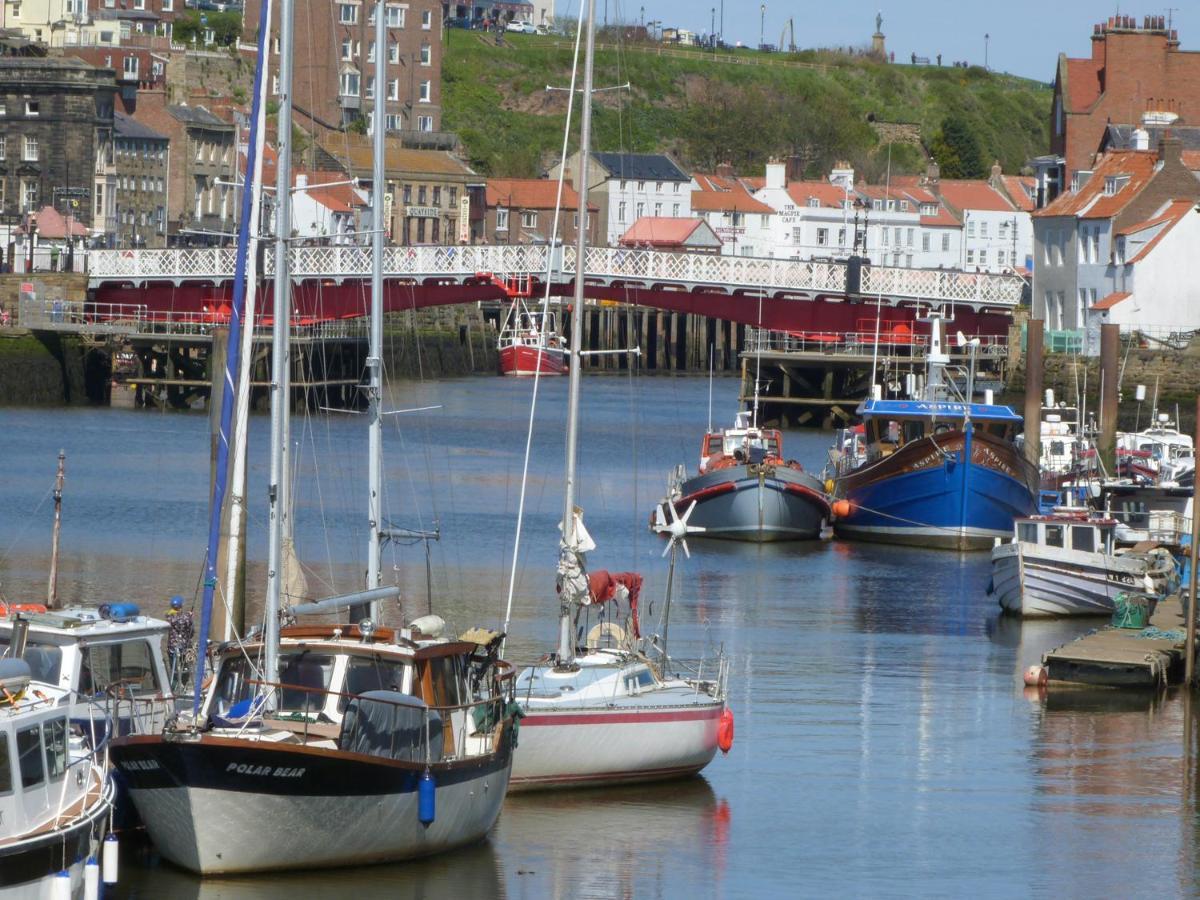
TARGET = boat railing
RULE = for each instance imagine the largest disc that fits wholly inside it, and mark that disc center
(457, 715)
(138, 714)
(96, 758)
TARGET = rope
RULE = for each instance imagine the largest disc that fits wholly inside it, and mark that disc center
(878, 512)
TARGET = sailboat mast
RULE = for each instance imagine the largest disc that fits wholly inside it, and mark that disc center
(281, 391)
(374, 353)
(52, 587)
(566, 642)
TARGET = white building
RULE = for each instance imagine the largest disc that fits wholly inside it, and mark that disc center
(324, 205)
(624, 187)
(726, 203)
(997, 235)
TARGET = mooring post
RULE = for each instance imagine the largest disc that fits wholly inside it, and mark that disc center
(1110, 341)
(1190, 653)
(1034, 371)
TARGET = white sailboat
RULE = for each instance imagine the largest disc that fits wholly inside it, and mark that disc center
(611, 711)
(325, 745)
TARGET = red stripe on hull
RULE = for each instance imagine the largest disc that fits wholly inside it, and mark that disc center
(536, 719)
(624, 776)
(522, 360)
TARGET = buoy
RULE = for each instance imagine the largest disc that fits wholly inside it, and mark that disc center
(111, 857)
(829, 485)
(1036, 676)
(426, 798)
(725, 731)
(60, 889)
(91, 879)
(841, 508)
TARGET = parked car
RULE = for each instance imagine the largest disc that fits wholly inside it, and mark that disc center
(530, 28)
(515, 26)
(458, 22)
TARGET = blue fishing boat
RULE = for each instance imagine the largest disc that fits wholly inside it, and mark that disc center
(937, 471)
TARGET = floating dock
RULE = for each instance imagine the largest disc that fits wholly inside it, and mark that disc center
(1152, 657)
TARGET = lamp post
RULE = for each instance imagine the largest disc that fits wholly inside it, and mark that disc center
(712, 30)
(643, 18)
(722, 21)
(986, 38)
(762, 19)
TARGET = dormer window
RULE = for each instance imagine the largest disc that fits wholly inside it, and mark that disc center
(813, 202)
(929, 209)
(877, 204)
(1079, 179)
(903, 206)
(1114, 183)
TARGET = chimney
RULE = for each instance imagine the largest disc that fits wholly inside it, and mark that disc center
(1141, 139)
(795, 168)
(933, 173)
(994, 181)
(776, 174)
(842, 175)
(725, 170)
(1170, 150)
(301, 179)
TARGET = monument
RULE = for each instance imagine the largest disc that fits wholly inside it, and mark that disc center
(878, 47)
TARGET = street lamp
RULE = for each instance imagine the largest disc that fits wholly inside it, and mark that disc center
(712, 30)
(643, 18)
(986, 38)
(762, 18)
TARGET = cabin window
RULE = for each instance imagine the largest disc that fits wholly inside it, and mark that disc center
(6, 783)
(29, 752)
(1058, 448)
(45, 661)
(129, 665)
(445, 674)
(1027, 531)
(1054, 535)
(376, 674)
(308, 674)
(638, 680)
(914, 430)
(1135, 514)
(1083, 538)
(55, 735)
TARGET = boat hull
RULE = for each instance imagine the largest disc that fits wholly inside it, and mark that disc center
(218, 805)
(1034, 581)
(955, 491)
(759, 504)
(597, 746)
(522, 359)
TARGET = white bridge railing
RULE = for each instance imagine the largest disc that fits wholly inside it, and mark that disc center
(604, 264)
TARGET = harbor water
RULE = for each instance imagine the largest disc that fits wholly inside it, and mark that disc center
(885, 745)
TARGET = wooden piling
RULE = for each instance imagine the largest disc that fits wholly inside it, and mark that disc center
(1034, 370)
(1110, 341)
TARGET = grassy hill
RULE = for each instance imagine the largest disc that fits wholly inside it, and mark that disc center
(705, 111)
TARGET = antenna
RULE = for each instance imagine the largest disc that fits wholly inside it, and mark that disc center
(711, 348)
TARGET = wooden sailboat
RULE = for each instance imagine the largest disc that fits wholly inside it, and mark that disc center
(613, 710)
(325, 745)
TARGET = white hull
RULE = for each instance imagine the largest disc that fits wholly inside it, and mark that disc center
(220, 831)
(577, 746)
(1036, 581)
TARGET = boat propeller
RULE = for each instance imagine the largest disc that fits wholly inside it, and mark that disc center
(677, 529)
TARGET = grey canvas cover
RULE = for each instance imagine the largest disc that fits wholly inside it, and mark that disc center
(392, 725)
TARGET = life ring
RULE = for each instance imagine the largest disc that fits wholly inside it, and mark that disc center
(725, 730)
(602, 630)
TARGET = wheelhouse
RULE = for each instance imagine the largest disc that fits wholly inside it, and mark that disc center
(1086, 535)
(890, 425)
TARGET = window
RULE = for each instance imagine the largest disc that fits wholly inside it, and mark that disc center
(501, 219)
(29, 194)
(130, 663)
(453, 196)
(371, 52)
(29, 752)
(822, 237)
(424, 123)
(407, 194)
(54, 732)
(348, 13)
(1083, 538)
(983, 229)
(350, 84)
(528, 219)
(393, 52)
(658, 209)
(426, 91)
(363, 675)
(32, 107)
(427, 20)
(395, 16)
(437, 195)
(426, 55)
(370, 87)
(675, 210)
(308, 674)
(131, 67)
(983, 257)
(970, 257)
(1027, 532)
(422, 194)
(641, 186)
(1003, 230)
(394, 89)
(3, 148)
(884, 235)
(393, 122)
(925, 241)
(1054, 535)
(813, 202)
(6, 782)
(909, 238)
(999, 257)
(347, 49)
(946, 241)
(621, 211)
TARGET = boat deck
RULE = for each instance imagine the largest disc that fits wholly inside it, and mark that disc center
(1124, 657)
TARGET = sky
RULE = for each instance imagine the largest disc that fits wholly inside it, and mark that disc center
(1026, 36)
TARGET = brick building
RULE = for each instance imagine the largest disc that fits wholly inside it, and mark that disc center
(1136, 74)
(140, 203)
(201, 168)
(521, 211)
(334, 68)
(55, 139)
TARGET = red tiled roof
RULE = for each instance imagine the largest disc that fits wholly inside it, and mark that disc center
(530, 193)
(721, 194)
(974, 195)
(661, 231)
(1168, 218)
(1083, 84)
(1090, 201)
(334, 197)
(1016, 186)
(1112, 300)
(826, 194)
(1191, 159)
(52, 224)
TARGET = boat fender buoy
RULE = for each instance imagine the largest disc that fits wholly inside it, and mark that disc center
(426, 798)
(60, 888)
(91, 879)
(829, 485)
(841, 508)
(1036, 676)
(725, 731)
(111, 859)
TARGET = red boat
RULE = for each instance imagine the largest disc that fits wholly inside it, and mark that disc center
(529, 343)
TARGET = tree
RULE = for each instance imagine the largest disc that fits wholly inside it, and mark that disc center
(956, 150)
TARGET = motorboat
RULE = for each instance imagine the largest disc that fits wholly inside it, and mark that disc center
(529, 343)
(745, 490)
(1067, 564)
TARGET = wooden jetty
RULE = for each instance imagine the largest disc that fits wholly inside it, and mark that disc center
(1124, 657)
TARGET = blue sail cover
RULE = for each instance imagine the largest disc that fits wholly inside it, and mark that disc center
(941, 409)
(232, 361)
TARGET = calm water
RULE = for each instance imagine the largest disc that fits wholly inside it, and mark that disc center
(885, 745)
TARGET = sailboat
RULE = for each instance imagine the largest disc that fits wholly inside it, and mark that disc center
(324, 745)
(612, 710)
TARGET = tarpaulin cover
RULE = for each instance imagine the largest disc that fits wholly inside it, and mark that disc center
(603, 586)
(392, 725)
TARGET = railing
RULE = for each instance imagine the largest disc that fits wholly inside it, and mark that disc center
(857, 343)
(603, 264)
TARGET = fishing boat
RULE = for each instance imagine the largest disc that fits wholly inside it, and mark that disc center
(328, 745)
(939, 470)
(1165, 455)
(529, 342)
(55, 794)
(745, 490)
(1067, 564)
(613, 708)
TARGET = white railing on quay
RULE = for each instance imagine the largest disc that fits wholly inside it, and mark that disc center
(857, 343)
(633, 268)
